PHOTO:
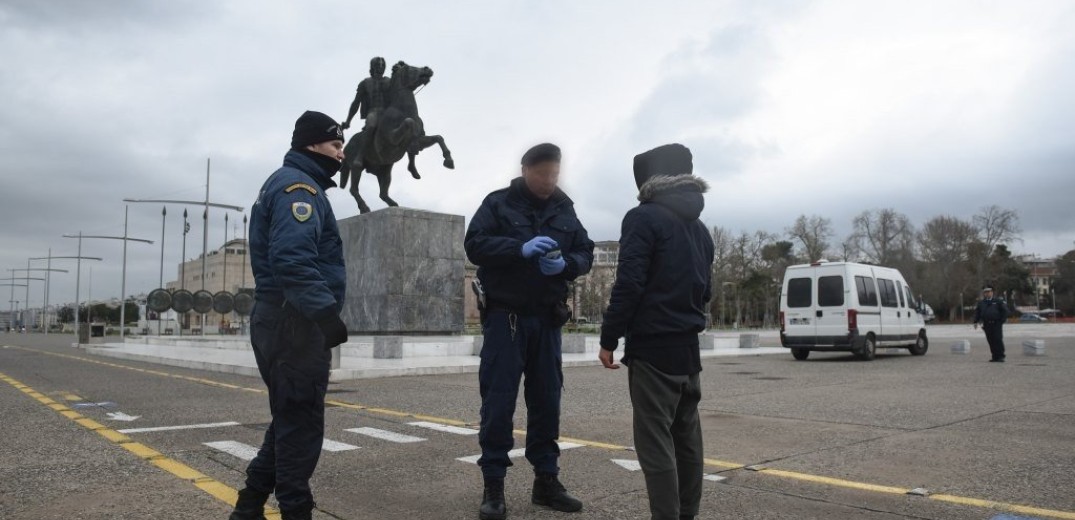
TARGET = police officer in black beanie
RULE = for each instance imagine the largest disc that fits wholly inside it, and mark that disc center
(299, 280)
(528, 245)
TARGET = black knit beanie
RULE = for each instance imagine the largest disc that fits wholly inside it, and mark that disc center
(313, 128)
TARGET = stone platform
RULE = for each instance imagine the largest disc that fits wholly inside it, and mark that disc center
(405, 272)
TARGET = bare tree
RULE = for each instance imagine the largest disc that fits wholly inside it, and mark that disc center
(884, 236)
(945, 243)
(849, 249)
(995, 226)
(813, 233)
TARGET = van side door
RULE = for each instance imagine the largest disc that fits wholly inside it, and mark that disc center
(891, 330)
(867, 304)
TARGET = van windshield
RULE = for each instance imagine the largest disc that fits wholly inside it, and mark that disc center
(800, 292)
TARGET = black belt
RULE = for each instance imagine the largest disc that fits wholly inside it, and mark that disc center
(529, 310)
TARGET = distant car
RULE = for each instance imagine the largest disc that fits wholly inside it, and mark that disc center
(1032, 318)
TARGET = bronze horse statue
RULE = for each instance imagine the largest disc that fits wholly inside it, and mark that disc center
(398, 131)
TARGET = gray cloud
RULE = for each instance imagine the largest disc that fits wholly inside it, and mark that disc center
(107, 100)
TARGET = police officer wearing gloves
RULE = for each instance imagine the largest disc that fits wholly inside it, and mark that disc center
(528, 244)
(992, 313)
(297, 259)
(658, 304)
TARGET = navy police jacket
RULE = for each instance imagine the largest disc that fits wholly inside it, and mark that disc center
(295, 248)
(506, 220)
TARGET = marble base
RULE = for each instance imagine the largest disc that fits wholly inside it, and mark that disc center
(405, 272)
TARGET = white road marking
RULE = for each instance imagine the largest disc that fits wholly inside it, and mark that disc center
(715, 478)
(330, 445)
(247, 452)
(183, 427)
(629, 465)
(518, 452)
(120, 416)
(386, 435)
(235, 449)
(458, 430)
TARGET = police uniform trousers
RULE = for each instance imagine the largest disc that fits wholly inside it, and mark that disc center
(668, 438)
(291, 356)
(994, 334)
(517, 346)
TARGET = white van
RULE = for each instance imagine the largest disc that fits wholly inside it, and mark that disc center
(843, 306)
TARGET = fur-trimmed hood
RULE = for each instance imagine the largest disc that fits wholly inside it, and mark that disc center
(680, 193)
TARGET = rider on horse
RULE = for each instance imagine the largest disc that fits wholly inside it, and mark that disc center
(369, 101)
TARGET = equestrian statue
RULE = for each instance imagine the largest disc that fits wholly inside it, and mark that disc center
(392, 128)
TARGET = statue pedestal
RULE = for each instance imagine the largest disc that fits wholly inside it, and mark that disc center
(405, 272)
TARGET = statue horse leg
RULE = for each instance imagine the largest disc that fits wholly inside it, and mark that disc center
(352, 165)
(422, 143)
(384, 180)
(362, 207)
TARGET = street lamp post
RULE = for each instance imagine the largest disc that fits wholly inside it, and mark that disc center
(205, 204)
(11, 302)
(123, 276)
(44, 301)
(78, 282)
(164, 214)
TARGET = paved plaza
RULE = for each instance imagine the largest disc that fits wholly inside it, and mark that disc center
(943, 436)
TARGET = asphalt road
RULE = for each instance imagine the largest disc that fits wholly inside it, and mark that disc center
(826, 438)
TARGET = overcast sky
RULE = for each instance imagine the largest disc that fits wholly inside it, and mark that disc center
(790, 107)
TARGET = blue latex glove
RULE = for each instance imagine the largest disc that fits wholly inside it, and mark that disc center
(552, 266)
(538, 246)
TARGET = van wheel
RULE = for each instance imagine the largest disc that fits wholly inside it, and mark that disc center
(921, 345)
(868, 350)
(800, 353)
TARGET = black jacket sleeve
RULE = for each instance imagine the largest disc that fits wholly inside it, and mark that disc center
(978, 313)
(484, 246)
(637, 241)
(580, 258)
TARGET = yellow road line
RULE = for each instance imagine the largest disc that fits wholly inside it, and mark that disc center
(793, 475)
(214, 488)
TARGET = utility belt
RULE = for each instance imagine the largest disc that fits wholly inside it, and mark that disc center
(557, 314)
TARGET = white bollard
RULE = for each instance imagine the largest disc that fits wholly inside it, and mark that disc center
(749, 340)
(961, 347)
(1034, 347)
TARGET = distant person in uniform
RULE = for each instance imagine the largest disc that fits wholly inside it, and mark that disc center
(528, 245)
(658, 303)
(299, 281)
(991, 313)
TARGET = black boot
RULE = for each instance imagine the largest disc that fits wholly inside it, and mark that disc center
(250, 506)
(549, 492)
(303, 513)
(493, 507)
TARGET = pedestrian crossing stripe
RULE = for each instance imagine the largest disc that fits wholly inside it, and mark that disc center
(243, 451)
(458, 430)
(386, 435)
(518, 452)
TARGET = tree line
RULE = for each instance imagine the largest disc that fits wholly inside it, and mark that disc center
(946, 260)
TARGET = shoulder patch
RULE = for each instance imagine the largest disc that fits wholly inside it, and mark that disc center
(300, 186)
(302, 211)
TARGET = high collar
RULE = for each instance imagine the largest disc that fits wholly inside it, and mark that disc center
(307, 165)
(521, 195)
